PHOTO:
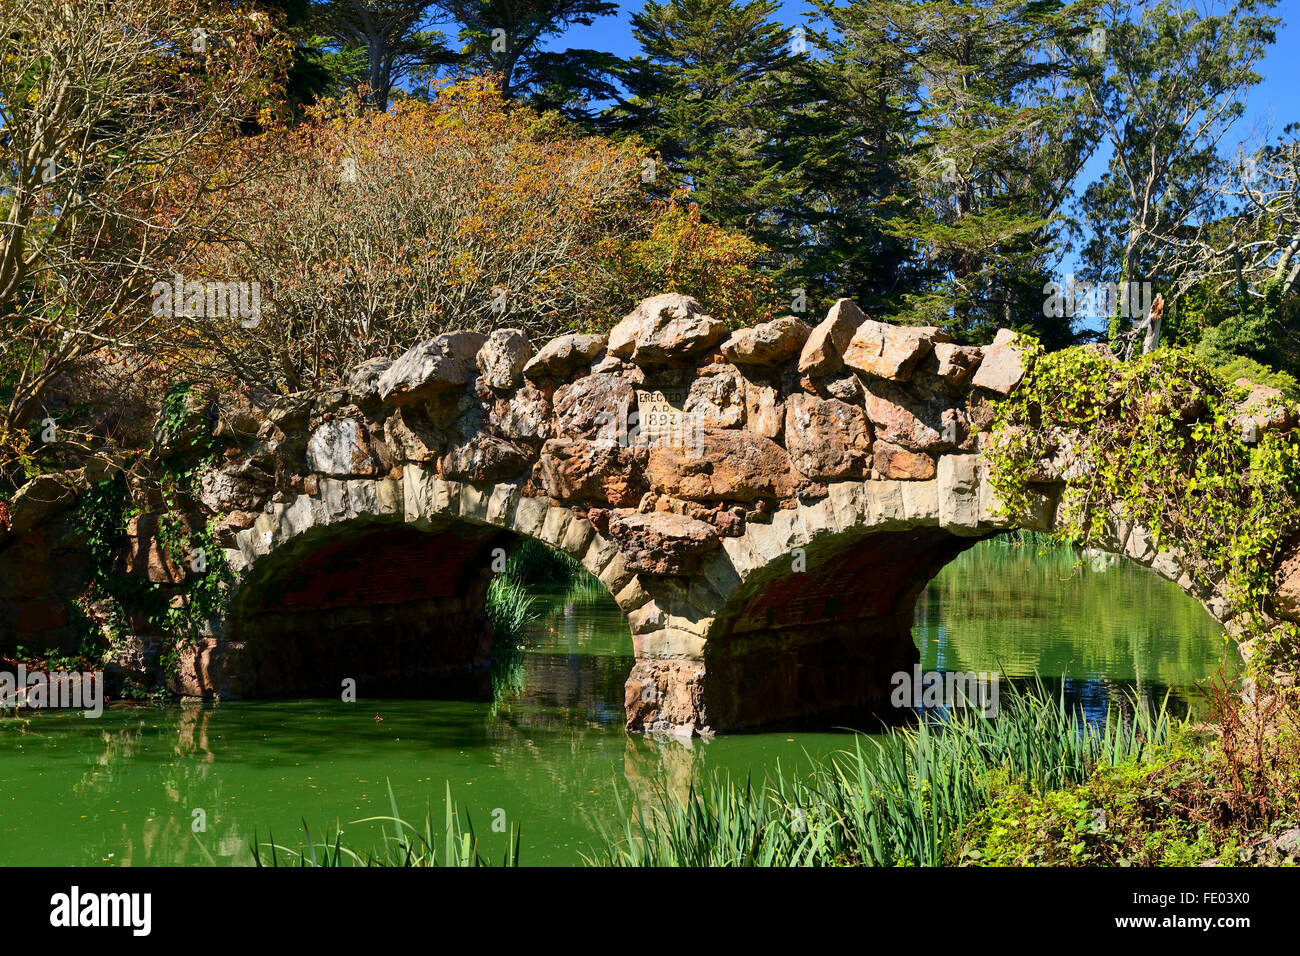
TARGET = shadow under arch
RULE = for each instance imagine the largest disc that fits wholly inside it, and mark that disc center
(400, 610)
(818, 621)
(381, 581)
(813, 638)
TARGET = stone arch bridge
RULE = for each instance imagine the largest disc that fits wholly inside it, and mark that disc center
(764, 505)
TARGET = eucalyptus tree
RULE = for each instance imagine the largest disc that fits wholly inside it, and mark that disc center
(1241, 294)
(1174, 84)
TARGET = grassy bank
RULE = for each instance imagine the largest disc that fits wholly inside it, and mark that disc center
(907, 798)
(1037, 786)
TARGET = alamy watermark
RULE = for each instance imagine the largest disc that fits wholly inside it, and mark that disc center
(1099, 300)
(75, 909)
(211, 300)
(63, 690)
(937, 689)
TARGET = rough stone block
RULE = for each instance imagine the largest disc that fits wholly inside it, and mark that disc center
(1139, 546)
(474, 503)
(616, 575)
(577, 536)
(851, 504)
(669, 643)
(555, 526)
(333, 497)
(1167, 565)
(744, 557)
(885, 499)
(720, 573)
(501, 504)
(958, 490)
(632, 596)
(598, 554)
(921, 501)
(530, 513)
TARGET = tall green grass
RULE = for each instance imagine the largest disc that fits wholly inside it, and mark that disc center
(509, 608)
(1015, 545)
(534, 564)
(407, 845)
(511, 611)
(900, 799)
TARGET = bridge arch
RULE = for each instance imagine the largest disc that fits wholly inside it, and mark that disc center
(766, 529)
(812, 611)
(411, 557)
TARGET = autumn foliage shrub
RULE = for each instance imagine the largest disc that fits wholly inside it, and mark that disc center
(683, 253)
(120, 126)
(378, 230)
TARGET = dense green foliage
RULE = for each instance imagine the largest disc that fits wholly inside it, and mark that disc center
(1249, 336)
(1159, 443)
(995, 129)
(924, 159)
(104, 515)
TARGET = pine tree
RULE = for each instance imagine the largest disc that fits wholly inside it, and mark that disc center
(997, 135)
(506, 37)
(857, 121)
(713, 93)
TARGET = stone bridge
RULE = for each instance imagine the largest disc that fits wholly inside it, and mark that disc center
(764, 505)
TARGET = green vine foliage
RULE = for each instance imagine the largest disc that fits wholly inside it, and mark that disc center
(180, 611)
(1157, 441)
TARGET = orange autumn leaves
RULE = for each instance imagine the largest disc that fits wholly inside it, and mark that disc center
(376, 230)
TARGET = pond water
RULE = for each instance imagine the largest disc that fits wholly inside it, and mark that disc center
(550, 756)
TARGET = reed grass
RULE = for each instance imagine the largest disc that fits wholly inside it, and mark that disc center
(900, 799)
(407, 845)
(511, 610)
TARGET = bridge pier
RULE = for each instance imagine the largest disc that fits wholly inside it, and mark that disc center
(812, 675)
(815, 636)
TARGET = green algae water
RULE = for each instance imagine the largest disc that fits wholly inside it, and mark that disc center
(199, 783)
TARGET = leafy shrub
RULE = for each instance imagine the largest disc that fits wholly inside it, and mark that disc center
(1238, 367)
(377, 230)
(1157, 441)
(720, 268)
